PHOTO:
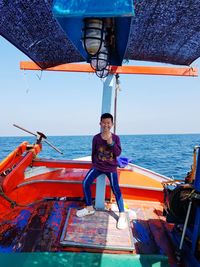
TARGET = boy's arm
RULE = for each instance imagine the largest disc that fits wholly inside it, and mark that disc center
(93, 149)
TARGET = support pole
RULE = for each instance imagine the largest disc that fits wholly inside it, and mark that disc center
(106, 108)
(196, 228)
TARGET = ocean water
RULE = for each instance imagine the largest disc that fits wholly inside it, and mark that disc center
(170, 155)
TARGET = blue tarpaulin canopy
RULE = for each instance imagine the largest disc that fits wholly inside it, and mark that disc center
(93, 8)
(160, 31)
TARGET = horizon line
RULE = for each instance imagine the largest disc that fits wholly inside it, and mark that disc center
(120, 134)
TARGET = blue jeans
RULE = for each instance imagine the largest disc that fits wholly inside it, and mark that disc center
(113, 178)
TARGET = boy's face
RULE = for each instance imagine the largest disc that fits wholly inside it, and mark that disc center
(106, 125)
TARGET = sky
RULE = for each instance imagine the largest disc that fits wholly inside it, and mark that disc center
(59, 103)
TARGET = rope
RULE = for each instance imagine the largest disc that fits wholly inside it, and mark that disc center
(26, 82)
(14, 204)
(117, 88)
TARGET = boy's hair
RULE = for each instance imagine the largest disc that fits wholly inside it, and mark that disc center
(107, 116)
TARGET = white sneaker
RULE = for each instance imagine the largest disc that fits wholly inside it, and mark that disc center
(84, 212)
(122, 223)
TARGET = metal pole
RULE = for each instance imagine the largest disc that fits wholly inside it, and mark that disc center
(179, 252)
(106, 107)
(185, 225)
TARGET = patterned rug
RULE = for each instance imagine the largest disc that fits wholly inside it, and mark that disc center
(96, 231)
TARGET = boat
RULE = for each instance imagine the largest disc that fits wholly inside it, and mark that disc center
(39, 196)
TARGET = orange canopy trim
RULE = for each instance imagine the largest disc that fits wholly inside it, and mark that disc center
(145, 70)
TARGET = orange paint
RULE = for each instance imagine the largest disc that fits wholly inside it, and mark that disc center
(147, 70)
(13, 156)
(129, 178)
(11, 180)
(65, 180)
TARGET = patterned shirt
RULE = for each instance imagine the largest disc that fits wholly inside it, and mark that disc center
(104, 156)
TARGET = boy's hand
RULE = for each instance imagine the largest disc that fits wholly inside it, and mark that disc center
(109, 140)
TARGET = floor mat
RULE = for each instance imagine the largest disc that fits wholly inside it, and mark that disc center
(96, 231)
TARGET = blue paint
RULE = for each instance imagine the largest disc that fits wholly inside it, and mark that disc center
(93, 8)
(196, 229)
(72, 25)
(142, 232)
(73, 29)
(23, 219)
(122, 26)
(14, 232)
(55, 218)
(6, 249)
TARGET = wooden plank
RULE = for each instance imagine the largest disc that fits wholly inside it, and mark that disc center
(144, 240)
(158, 230)
(53, 225)
(144, 70)
(35, 227)
(12, 229)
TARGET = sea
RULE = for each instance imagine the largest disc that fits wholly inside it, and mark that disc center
(168, 154)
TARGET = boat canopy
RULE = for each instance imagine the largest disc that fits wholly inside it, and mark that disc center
(157, 31)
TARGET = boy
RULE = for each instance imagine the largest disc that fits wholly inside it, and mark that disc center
(106, 148)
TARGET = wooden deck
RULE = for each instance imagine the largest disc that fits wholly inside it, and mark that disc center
(39, 227)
